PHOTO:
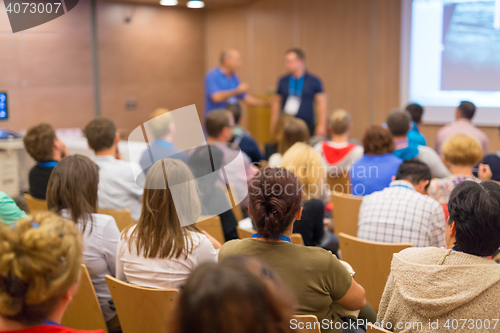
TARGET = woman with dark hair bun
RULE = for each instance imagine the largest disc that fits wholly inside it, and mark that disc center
(318, 279)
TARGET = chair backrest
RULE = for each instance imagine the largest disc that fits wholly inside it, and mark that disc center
(123, 217)
(374, 329)
(372, 263)
(307, 323)
(84, 311)
(213, 226)
(247, 233)
(340, 184)
(345, 213)
(143, 309)
(236, 209)
(35, 204)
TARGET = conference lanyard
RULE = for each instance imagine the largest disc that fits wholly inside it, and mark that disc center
(295, 86)
(281, 237)
(50, 164)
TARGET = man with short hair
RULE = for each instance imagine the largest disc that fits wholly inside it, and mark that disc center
(297, 93)
(463, 125)
(117, 187)
(398, 123)
(46, 149)
(414, 136)
(402, 213)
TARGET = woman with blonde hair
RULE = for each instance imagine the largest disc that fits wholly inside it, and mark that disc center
(40, 258)
(461, 152)
(162, 249)
(294, 130)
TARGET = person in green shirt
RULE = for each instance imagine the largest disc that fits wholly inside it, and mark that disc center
(9, 212)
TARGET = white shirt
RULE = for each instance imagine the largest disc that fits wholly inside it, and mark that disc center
(433, 161)
(165, 273)
(399, 214)
(275, 160)
(99, 255)
(117, 187)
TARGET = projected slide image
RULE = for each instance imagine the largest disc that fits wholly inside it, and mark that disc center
(471, 46)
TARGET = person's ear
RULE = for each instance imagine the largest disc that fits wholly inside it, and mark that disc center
(393, 178)
(57, 144)
(453, 229)
(298, 216)
(117, 137)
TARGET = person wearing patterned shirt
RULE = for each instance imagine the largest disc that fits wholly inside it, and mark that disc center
(402, 213)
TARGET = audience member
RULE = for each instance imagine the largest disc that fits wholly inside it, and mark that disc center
(317, 278)
(454, 284)
(72, 193)
(46, 149)
(398, 123)
(339, 154)
(305, 163)
(40, 261)
(414, 136)
(244, 287)
(461, 152)
(9, 211)
(163, 128)
(242, 138)
(493, 160)
(117, 186)
(463, 124)
(271, 147)
(162, 249)
(294, 130)
(205, 163)
(374, 171)
(402, 213)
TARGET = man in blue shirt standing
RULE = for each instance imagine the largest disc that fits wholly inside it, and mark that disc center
(223, 87)
(297, 93)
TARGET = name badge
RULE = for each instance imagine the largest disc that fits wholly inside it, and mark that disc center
(292, 105)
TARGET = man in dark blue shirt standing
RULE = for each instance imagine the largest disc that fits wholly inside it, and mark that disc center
(297, 93)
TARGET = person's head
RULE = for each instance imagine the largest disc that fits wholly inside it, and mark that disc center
(294, 60)
(102, 135)
(377, 141)
(198, 165)
(466, 110)
(161, 230)
(340, 122)
(235, 109)
(474, 223)
(294, 130)
(275, 201)
(416, 111)
(231, 60)
(415, 172)
(73, 186)
(43, 145)
(398, 123)
(280, 127)
(462, 150)
(161, 124)
(238, 295)
(305, 162)
(219, 125)
(40, 259)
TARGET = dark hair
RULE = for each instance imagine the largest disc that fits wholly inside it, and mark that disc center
(413, 171)
(235, 109)
(467, 109)
(294, 130)
(73, 185)
(377, 141)
(233, 297)
(298, 52)
(275, 198)
(398, 123)
(416, 111)
(475, 209)
(39, 142)
(100, 134)
(216, 121)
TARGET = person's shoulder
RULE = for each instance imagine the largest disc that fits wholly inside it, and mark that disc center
(314, 204)
(102, 220)
(233, 247)
(211, 73)
(313, 77)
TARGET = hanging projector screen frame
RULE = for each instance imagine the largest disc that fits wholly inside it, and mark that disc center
(434, 114)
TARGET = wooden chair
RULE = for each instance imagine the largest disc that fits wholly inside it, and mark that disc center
(123, 217)
(247, 233)
(143, 309)
(345, 213)
(35, 204)
(213, 227)
(374, 329)
(236, 209)
(372, 263)
(84, 311)
(307, 323)
(339, 184)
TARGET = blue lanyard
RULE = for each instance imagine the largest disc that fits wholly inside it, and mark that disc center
(281, 237)
(51, 323)
(295, 86)
(50, 164)
(164, 143)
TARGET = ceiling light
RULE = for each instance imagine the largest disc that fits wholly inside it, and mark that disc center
(195, 4)
(168, 2)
